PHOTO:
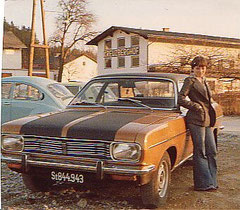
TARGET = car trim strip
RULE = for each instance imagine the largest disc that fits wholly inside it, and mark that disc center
(166, 140)
(181, 162)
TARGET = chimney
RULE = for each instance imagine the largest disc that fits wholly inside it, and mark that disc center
(165, 29)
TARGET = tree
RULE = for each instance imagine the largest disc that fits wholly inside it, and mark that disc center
(74, 25)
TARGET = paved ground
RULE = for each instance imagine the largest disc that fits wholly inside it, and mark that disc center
(231, 124)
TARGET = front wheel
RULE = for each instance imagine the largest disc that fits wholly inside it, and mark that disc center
(154, 193)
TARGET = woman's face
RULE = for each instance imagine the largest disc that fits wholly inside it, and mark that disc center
(199, 71)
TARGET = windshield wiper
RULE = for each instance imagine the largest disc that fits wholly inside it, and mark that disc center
(135, 101)
(89, 103)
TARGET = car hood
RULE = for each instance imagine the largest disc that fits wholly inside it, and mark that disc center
(95, 124)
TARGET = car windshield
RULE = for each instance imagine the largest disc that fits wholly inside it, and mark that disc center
(130, 92)
(60, 92)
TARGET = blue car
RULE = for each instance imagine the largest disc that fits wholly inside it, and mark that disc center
(24, 95)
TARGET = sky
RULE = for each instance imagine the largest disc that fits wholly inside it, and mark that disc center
(207, 17)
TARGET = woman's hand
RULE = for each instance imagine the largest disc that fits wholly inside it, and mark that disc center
(198, 107)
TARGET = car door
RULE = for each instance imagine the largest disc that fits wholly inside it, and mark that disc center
(26, 98)
(6, 102)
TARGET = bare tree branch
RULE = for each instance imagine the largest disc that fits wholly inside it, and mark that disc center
(73, 25)
(220, 63)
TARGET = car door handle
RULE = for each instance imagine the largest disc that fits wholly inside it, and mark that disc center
(6, 103)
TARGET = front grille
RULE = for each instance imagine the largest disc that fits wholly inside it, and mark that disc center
(69, 147)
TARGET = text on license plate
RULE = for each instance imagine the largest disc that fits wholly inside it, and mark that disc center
(67, 177)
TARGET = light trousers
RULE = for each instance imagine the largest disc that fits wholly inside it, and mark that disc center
(204, 157)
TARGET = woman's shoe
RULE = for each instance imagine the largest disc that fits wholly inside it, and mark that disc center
(210, 188)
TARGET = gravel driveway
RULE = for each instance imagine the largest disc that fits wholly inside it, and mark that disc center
(125, 196)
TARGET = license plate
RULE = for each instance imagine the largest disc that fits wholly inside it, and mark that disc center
(67, 177)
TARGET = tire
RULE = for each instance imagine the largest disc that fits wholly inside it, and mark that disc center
(154, 194)
(35, 183)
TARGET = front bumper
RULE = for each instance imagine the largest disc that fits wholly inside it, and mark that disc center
(95, 166)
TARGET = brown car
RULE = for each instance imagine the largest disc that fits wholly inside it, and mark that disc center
(119, 126)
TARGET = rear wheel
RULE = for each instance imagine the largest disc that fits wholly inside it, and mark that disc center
(154, 194)
(35, 183)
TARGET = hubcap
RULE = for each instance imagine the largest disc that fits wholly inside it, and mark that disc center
(162, 179)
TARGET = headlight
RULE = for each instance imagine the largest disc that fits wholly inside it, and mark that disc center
(12, 143)
(125, 151)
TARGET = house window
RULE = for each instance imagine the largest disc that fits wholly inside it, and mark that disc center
(134, 41)
(135, 61)
(121, 62)
(108, 63)
(108, 44)
(83, 63)
(121, 42)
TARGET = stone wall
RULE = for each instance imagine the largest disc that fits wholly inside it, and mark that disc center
(230, 102)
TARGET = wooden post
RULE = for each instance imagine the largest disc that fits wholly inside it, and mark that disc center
(31, 56)
(33, 45)
(45, 41)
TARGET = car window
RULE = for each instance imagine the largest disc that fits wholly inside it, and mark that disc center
(26, 92)
(91, 93)
(156, 93)
(6, 88)
(73, 89)
(180, 84)
(60, 92)
(152, 89)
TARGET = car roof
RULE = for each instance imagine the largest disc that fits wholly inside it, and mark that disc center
(30, 79)
(173, 76)
(73, 83)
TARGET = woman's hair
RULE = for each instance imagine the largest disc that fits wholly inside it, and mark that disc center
(199, 61)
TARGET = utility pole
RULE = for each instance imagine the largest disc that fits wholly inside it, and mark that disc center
(33, 44)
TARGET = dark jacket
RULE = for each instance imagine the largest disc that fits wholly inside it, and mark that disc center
(201, 111)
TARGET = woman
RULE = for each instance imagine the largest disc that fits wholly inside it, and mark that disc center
(200, 118)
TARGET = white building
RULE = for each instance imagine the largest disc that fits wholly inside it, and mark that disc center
(122, 49)
(82, 69)
(12, 64)
(12, 53)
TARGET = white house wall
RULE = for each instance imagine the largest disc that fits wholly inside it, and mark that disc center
(76, 70)
(159, 53)
(143, 51)
(12, 59)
